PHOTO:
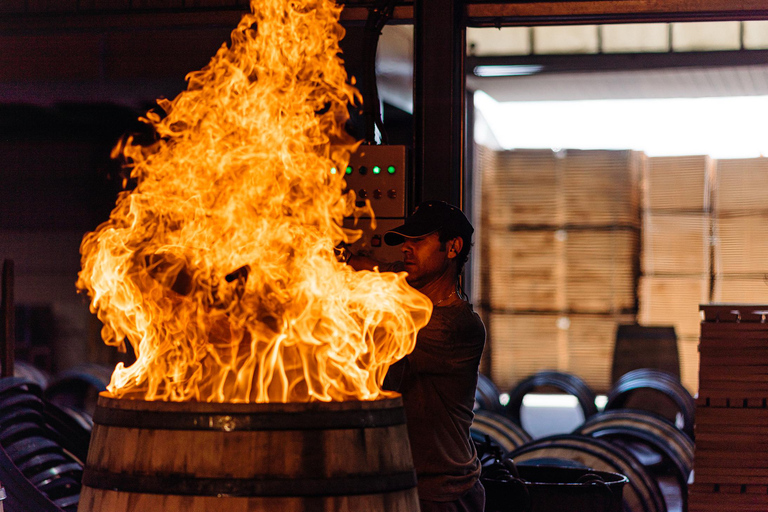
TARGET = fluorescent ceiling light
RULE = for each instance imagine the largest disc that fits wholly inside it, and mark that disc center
(511, 70)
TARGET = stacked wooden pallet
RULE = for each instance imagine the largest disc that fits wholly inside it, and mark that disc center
(601, 188)
(522, 188)
(741, 231)
(560, 243)
(731, 454)
(675, 257)
(591, 342)
(601, 269)
(525, 343)
(528, 268)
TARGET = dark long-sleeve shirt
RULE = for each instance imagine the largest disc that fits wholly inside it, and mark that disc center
(438, 381)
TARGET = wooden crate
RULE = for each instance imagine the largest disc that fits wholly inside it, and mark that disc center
(522, 188)
(523, 344)
(678, 183)
(484, 158)
(526, 270)
(723, 497)
(602, 188)
(601, 270)
(591, 340)
(731, 454)
(673, 300)
(741, 186)
(585, 270)
(741, 243)
(743, 289)
(675, 243)
(688, 348)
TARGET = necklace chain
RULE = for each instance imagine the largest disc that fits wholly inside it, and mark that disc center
(446, 298)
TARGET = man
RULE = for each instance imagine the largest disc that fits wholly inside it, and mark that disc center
(438, 379)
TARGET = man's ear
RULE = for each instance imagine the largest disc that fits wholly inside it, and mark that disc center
(455, 246)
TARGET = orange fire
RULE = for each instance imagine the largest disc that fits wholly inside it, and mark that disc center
(219, 267)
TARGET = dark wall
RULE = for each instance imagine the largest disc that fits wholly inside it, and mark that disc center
(57, 182)
(74, 78)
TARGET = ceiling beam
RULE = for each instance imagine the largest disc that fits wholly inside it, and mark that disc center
(498, 14)
(478, 13)
(624, 61)
(490, 13)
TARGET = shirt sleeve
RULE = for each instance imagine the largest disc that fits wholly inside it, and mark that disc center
(395, 266)
(445, 347)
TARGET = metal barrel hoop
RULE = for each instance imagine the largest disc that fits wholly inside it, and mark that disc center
(487, 394)
(40, 474)
(569, 383)
(505, 432)
(657, 380)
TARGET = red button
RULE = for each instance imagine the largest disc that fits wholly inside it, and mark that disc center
(376, 241)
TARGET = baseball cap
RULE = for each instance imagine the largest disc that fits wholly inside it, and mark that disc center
(428, 217)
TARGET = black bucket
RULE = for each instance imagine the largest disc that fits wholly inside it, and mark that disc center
(642, 493)
(555, 489)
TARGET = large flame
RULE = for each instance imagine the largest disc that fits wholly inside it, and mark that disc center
(219, 267)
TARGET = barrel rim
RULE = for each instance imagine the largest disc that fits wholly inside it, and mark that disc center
(227, 417)
(107, 401)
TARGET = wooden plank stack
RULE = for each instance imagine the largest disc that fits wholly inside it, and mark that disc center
(601, 188)
(514, 356)
(741, 231)
(560, 247)
(675, 256)
(601, 269)
(528, 269)
(522, 188)
(731, 454)
(591, 341)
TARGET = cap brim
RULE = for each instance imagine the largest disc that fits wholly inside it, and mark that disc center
(398, 235)
(393, 238)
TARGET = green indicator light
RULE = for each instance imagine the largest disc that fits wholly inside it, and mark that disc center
(376, 170)
(333, 170)
(349, 169)
(391, 169)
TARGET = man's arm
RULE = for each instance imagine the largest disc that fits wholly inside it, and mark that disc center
(360, 262)
(363, 262)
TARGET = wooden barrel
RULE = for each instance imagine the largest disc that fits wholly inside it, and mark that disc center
(295, 457)
(487, 395)
(656, 391)
(502, 431)
(664, 450)
(546, 379)
(640, 346)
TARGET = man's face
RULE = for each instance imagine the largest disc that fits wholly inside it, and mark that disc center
(425, 259)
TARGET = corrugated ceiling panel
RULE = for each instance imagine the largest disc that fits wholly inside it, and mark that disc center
(665, 83)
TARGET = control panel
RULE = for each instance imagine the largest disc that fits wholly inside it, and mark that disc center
(378, 174)
(372, 242)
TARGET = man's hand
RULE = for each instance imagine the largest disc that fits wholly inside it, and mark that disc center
(343, 254)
